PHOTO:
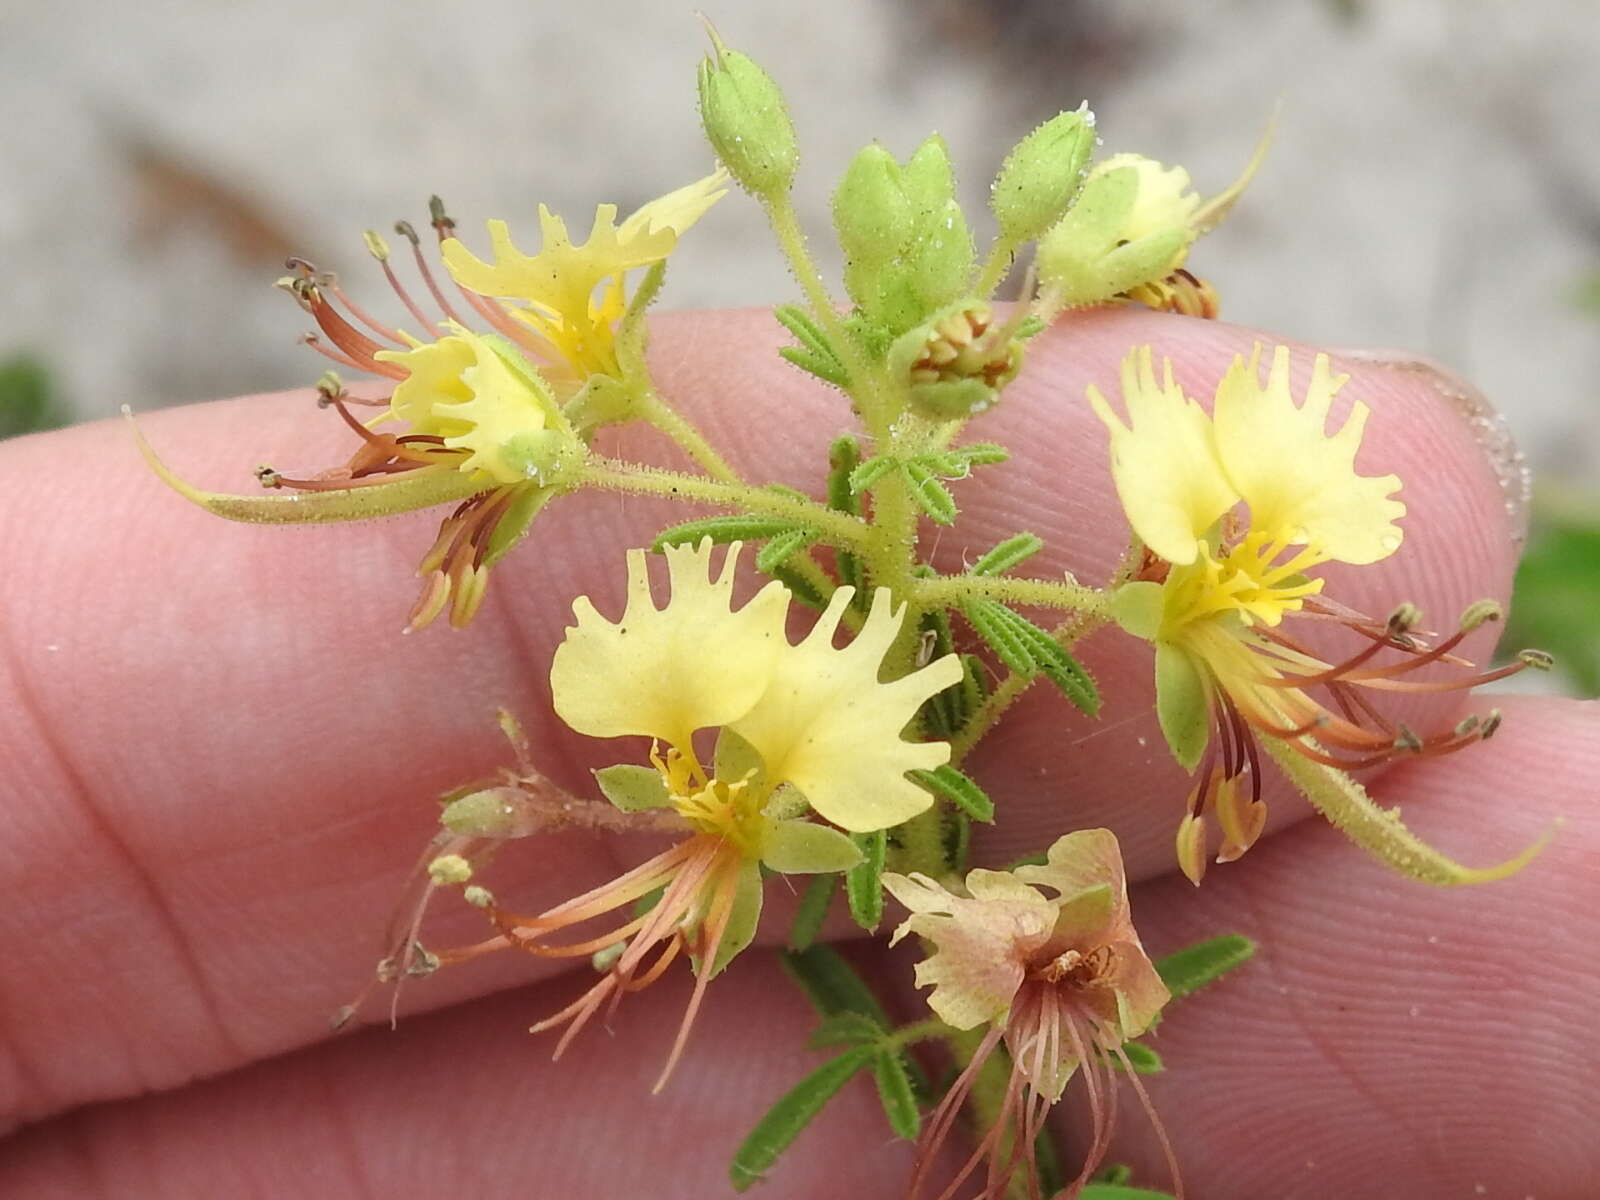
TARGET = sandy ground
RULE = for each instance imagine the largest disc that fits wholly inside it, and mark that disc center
(1433, 186)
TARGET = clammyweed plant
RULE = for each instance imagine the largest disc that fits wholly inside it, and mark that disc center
(844, 763)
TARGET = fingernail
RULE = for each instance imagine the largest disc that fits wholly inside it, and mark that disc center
(1489, 428)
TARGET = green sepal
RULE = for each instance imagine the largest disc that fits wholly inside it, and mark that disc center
(633, 788)
(931, 496)
(952, 785)
(1012, 552)
(1041, 175)
(1137, 608)
(743, 919)
(633, 331)
(735, 758)
(602, 400)
(872, 216)
(1142, 1059)
(746, 121)
(1182, 705)
(791, 1114)
(1188, 970)
(812, 911)
(783, 547)
(1152, 257)
(863, 885)
(731, 527)
(952, 399)
(897, 1094)
(518, 519)
(806, 848)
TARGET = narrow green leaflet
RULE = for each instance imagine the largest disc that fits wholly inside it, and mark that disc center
(1188, 970)
(982, 454)
(897, 1094)
(1116, 1191)
(844, 456)
(832, 985)
(952, 785)
(932, 497)
(869, 472)
(791, 1114)
(1014, 550)
(812, 911)
(863, 885)
(989, 620)
(814, 354)
(845, 1029)
(1142, 1059)
(732, 527)
(782, 547)
(799, 586)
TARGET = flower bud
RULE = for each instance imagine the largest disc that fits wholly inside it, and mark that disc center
(746, 122)
(871, 210)
(1088, 257)
(1041, 175)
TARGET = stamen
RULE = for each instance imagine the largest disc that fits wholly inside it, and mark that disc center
(404, 229)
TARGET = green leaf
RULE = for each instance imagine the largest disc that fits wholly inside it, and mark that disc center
(1053, 661)
(831, 984)
(931, 496)
(799, 586)
(869, 472)
(957, 788)
(896, 1094)
(1014, 550)
(814, 343)
(632, 788)
(863, 886)
(1142, 1059)
(1188, 970)
(992, 622)
(845, 1029)
(1181, 704)
(958, 841)
(791, 1114)
(28, 402)
(732, 527)
(844, 456)
(1115, 1191)
(812, 911)
(783, 547)
(806, 848)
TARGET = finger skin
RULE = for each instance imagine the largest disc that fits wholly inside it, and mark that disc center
(221, 759)
(1390, 1039)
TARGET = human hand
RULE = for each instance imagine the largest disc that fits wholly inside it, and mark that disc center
(220, 762)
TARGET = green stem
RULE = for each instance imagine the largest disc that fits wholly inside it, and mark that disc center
(835, 528)
(950, 590)
(690, 440)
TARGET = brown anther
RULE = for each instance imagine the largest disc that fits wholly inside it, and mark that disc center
(376, 246)
(1467, 726)
(1491, 723)
(1407, 740)
(267, 477)
(1401, 622)
(1478, 613)
(329, 388)
(1539, 660)
(404, 229)
(441, 219)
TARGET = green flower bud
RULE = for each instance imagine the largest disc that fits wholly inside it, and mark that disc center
(1041, 175)
(1086, 258)
(746, 121)
(871, 210)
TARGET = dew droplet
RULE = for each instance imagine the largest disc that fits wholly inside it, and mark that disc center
(1390, 542)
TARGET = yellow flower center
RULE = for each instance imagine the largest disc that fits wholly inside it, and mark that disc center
(1248, 581)
(714, 806)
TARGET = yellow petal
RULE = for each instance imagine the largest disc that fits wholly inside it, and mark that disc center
(667, 672)
(679, 209)
(826, 725)
(1164, 460)
(1300, 481)
(1079, 861)
(1163, 201)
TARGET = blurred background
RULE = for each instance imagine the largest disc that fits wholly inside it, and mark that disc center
(1435, 183)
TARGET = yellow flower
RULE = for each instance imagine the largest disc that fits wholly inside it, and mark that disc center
(801, 725)
(1061, 979)
(1215, 603)
(555, 290)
